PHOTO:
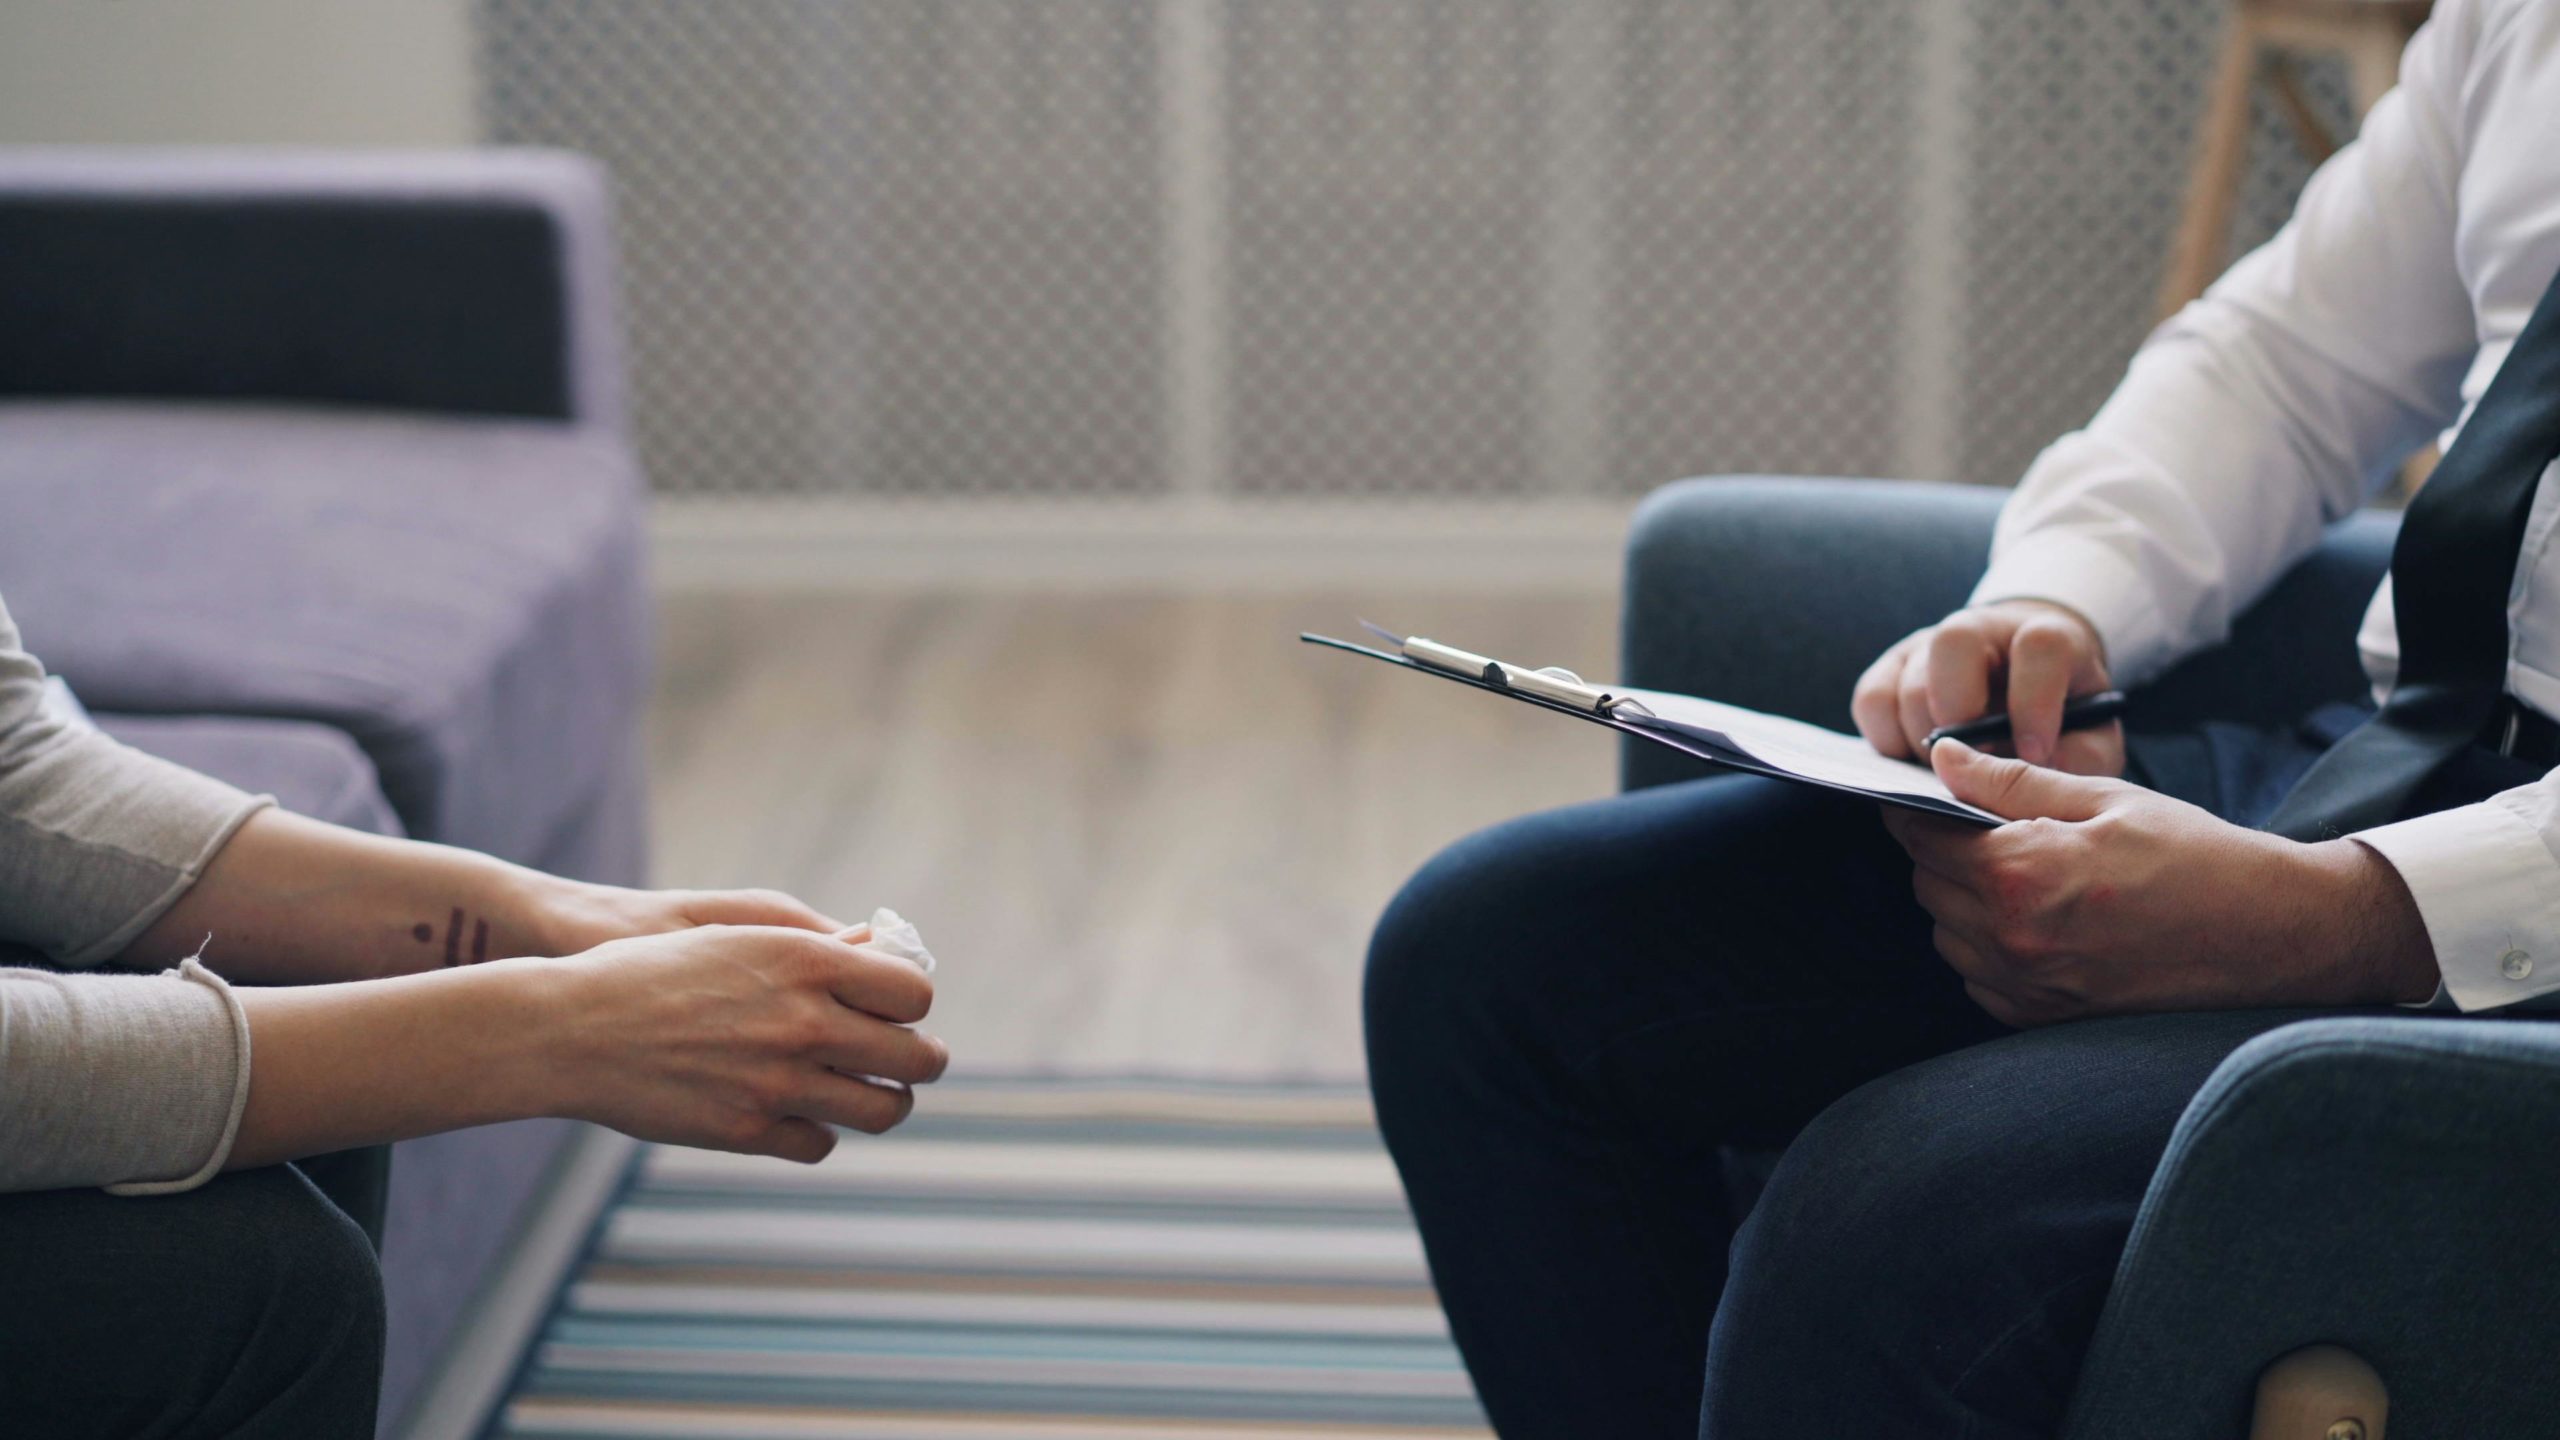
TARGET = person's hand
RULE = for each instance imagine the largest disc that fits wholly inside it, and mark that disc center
(2102, 897)
(747, 1038)
(2028, 655)
(571, 916)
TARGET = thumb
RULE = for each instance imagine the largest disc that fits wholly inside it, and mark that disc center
(2014, 789)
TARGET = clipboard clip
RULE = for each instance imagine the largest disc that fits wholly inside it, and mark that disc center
(1553, 683)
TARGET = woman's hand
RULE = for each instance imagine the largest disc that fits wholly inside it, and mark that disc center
(2025, 657)
(566, 917)
(750, 1038)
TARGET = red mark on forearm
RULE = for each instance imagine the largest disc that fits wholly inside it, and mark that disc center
(479, 941)
(453, 938)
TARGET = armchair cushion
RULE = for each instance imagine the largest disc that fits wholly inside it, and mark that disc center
(459, 596)
(1776, 592)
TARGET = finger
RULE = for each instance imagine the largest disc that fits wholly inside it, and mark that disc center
(880, 984)
(1966, 958)
(1951, 902)
(2043, 658)
(1911, 705)
(1876, 705)
(853, 1102)
(2097, 751)
(862, 1045)
(1960, 663)
(1945, 846)
(793, 1138)
(1999, 1007)
(2014, 789)
(755, 907)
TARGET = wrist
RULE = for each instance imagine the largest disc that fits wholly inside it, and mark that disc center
(540, 914)
(2369, 923)
(534, 1004)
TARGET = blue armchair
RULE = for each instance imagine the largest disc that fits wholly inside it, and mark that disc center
(2369, 1184)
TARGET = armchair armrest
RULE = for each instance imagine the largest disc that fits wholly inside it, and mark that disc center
(2374, 1183)
(473, 282)
(1775, 593)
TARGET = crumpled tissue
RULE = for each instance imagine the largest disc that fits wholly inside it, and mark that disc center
(894, 934)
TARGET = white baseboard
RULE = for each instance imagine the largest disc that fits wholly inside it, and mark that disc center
(1180, 545)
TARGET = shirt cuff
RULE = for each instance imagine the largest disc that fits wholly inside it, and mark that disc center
(220, 1155)
(2093, 578)
(2488, 891)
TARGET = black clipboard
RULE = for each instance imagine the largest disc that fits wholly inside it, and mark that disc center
(1697, 742)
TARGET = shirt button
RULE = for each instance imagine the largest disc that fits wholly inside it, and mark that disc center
(2515, 964)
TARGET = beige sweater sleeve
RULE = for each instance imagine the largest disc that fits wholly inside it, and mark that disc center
(134, 1082)
(105, 1079)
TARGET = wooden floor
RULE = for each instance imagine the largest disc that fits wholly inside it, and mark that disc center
(1141, 833)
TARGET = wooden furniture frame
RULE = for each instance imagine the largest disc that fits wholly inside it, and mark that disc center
(2267, 40)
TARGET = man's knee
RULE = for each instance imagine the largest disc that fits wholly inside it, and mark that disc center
(1885, 1189)
(1448, 953)
(1948, 1229)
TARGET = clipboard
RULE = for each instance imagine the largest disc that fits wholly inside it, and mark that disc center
(1656, 717)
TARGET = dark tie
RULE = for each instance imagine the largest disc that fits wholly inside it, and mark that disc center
(2451, 571)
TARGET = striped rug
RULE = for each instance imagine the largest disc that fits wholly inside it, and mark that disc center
(1021, 1261)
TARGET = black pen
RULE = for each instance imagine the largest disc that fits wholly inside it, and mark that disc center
(2079, 714)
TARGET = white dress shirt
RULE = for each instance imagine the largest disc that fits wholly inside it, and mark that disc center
(2283, 400)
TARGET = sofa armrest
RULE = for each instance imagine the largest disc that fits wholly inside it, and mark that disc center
(2367, 1182)
(472, 282)
(1776, 593)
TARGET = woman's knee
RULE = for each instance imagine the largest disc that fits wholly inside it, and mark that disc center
(250, 1305)
(305, 1309)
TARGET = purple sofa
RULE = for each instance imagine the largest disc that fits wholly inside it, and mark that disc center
(314, 476)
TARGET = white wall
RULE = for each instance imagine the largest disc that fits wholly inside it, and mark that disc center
(289, 72)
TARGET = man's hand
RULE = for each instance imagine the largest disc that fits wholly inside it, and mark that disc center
(2101, 897)
(2028, 654)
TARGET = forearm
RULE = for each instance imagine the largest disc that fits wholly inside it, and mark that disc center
(291, 900)
(336, 1066)
(752, 1038)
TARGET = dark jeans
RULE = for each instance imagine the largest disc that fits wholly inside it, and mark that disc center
(251, 1306)
(1573, 1017)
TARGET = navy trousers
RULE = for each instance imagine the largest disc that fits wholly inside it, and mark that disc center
(1574, 1019)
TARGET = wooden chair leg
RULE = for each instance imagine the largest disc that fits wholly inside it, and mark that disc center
(2322, 1392)
(2373, 59)
(2213, 183)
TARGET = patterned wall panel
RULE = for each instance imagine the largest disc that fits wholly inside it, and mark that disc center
(1391, 249)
